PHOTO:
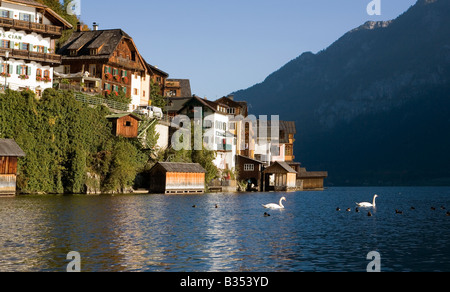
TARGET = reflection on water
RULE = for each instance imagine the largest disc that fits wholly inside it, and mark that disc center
(165, 233)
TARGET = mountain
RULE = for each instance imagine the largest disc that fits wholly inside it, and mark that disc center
(374, 107)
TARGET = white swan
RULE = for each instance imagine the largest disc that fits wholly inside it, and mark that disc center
(368, 205)
(275, 206)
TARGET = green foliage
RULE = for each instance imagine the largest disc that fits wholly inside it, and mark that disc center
(155, 96)
(64, 140)
(203, 157)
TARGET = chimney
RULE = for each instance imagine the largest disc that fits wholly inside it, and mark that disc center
(231, 96)
(79, 27)
(95, 26)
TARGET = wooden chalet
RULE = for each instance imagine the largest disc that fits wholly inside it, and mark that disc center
(178, 88)
(125, 125)
(108, 55)
(9, 154)
(280, 177)
(177, 178)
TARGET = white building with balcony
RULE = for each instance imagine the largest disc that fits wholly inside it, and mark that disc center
(28, 31)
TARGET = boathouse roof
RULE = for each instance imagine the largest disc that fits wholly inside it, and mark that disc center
(9, 148)
(181, 167)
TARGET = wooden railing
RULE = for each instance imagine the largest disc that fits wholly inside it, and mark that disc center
(30, 26)
(32, 56)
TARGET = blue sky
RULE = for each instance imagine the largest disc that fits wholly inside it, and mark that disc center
(224, 46)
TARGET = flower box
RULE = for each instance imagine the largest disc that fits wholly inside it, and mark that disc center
(24, 77)
(125, 79)
(4, 74)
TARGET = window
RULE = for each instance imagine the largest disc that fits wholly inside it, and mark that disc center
(47, 73)
(73, 52)
(24, 46)
(39, 73)
(23, 70)
(66, 69)
(25, 17)
(231, 111)
(6, 14)
(5, 68)
(143, 93)
(40, 49)
(249, 167)
(136, 91)
(94, 52)
(124, 73)
(128, 124)
(5, 44)
(232, 126)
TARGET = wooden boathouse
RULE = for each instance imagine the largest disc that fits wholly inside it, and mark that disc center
(9, 154)
(177, 178)
(280, 177)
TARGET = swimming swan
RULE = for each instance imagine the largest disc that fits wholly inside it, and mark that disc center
(275, 206)
(368, 205)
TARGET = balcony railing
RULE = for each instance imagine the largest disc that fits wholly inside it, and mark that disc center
(32, 56)
(45, 29)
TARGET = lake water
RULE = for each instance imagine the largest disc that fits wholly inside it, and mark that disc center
(165, 233)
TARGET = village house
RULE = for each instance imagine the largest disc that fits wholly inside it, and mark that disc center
(112, 61)
(178, 88)
(216, 135)
(28, 32)
(9, 154)
(177, 178)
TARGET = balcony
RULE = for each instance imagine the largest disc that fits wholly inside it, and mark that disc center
(47, 59)
(43, 29)
(224, 147)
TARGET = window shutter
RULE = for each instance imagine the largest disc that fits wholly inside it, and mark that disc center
(45, 50)
(11, 14)
(18, 70)
(11, 45)
(21, 16)
(29, 71)
(10, 68)
(1, 68)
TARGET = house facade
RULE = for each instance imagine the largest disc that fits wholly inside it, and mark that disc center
(110, 56)
(216, 134)
(28, 31)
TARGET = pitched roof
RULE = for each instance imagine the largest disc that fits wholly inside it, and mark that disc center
(176, 103)
(185, 86)
(207, 103)
(82, 41)
(51, 14)
(154, 69)
(9, 148)
(279, 165)
(119, 116)
(181, 167)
